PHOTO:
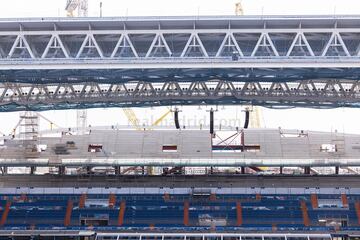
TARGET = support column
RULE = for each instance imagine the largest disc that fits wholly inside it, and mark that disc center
(307, 170)
(112, 200)
(357, 210)
(211, 121)
(143, 170)
(337, 170)
(212, 197)
(281, 170)
(82, 200)
(258, 197)
(344, 200)
(32, 170)
(61, 170)
(186, 213)
(121, 213)
(69, 208)
(247, 116)
(176, 118)
(305, 214)
(117, 170)
(314, 200)
(239, 218)
(5, 213)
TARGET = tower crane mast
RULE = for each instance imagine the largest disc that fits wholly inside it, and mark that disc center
(256, 115)
(82, 11)
(80, 5)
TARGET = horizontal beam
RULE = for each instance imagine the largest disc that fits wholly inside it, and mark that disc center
(307, 93)
(131, 235)
(174, 162)
(194, 63)
(160, 184)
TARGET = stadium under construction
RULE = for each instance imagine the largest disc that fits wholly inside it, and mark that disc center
(181, 183)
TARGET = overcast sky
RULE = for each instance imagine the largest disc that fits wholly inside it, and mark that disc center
(54, 8)
(326, 120)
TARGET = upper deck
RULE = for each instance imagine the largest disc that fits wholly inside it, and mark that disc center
(245, 147)
(201, 42)
(308, 61)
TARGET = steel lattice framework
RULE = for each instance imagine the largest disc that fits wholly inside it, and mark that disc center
(311, 61)
(316, 93)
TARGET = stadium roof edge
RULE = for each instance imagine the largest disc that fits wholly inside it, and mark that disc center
(190, 17)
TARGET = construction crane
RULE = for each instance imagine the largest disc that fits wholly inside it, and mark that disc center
(52, 124)
(131, 116)
(256, 113)
(239, 9)
(80, 5)
(82, 11)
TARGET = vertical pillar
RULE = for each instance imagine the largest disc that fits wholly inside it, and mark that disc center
(314, 200)
(112, 200)
(176, 118)
(69, 208)
(5, 213)
(344, 200)
(357, 209)
(121, 213)
(305, 214)
(82, 200)
(211, 121)
(258, 197)
(117, 170)
(212, 197)
(186, 213)
(239, 217)
(61, 170)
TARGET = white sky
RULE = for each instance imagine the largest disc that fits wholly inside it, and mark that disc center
(344, 120)
(55, 8)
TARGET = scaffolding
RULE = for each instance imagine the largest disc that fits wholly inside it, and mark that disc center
(29, 133)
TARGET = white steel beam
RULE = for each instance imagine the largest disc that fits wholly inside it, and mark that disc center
(335, 41)
(300, 41)
(90, 43)
(55, 42)
(124, 42)
(194, 42)
(265, 42)
(21, 43)
(173, 63)
(158, 43)
(229, 42)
